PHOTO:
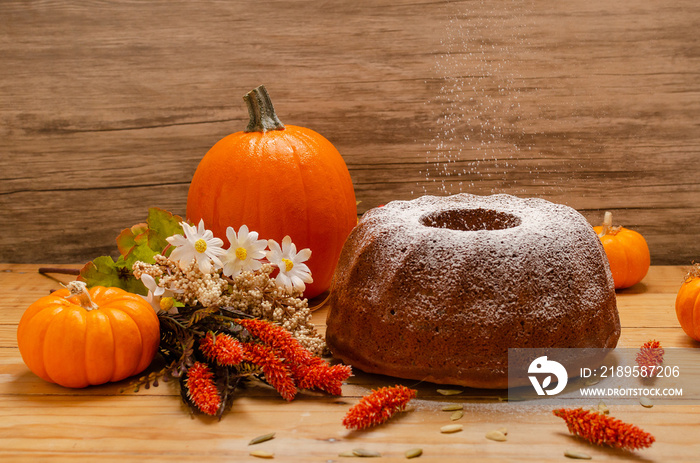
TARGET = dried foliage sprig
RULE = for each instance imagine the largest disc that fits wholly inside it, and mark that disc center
(377, 407)
(211, 351)
(601, 429)
(651, 354)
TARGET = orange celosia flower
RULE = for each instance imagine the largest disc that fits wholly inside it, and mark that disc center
(601, 429)
(223, 348)
(307, 370)
(651, 354)
(378, 407)
(318, 375)
(275, 371)
(201, 388)
(277, 338)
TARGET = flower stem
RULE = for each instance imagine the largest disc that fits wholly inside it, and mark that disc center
(63, 271)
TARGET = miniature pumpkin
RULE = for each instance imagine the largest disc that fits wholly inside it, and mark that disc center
(688, 303)
(627, 251)
(277, 180)
(75, 337)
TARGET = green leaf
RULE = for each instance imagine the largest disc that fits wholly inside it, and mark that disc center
(130, 237)
(141, 242)
(140, 252)
(162, 224)
(104, 271)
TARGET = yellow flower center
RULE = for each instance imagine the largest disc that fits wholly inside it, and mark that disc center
(200, 245)
(166, 303)
(241, 253)
(288, 264)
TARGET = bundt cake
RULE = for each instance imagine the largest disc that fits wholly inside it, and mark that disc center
(438, 288)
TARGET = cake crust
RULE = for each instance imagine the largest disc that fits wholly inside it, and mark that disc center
(438, 288)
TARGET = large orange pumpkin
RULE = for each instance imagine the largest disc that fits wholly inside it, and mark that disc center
(627, 251)
(688, 303)
(78, 338)
(277, 180)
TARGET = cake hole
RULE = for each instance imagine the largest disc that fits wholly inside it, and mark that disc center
(470, 220)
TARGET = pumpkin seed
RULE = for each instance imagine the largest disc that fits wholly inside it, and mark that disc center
(450, 428)
(452, 407)
(449, 391)
(576, 455)
(262, 454)
(346, 454)
(413, 453)
(602, 408)
(456, 415)
(263, 438)
(591, 382)
(365, 453)
(496, 435)
(646, 402)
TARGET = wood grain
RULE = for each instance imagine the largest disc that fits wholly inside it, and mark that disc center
(43, 421)
(107, 107)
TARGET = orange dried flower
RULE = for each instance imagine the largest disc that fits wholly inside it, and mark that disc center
(275, 371)
(226, 350)
(378, 407)
(201, 388)
(307, 370)
(320, 376)
(651, 354)
(277, 338)
(601, 429)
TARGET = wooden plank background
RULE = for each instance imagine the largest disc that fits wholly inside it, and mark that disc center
(107, 107)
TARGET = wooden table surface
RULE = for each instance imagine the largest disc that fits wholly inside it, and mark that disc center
(39, 420)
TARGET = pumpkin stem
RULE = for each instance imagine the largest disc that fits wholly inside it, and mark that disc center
(608, 228)
(262, 113)
(693, 273)
(79, 290)
(607, 223)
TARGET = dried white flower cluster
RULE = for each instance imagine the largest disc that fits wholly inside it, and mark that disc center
(251, 292)
(246, 251)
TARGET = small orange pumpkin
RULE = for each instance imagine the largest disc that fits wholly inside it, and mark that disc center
(76, 338)
(627, 251)
(688, 303)
(277, 180)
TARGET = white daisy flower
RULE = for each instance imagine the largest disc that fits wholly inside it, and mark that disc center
(245, 251)
(293, 273)
(159, 297)
(198, 244)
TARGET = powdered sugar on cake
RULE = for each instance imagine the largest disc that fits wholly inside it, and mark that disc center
(458, 279)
